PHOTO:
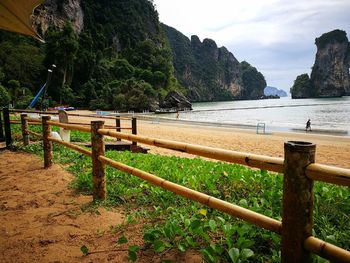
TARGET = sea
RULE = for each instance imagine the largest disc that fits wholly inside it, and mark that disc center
(327, 115)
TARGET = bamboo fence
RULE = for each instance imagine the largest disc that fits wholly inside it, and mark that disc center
(297, 198)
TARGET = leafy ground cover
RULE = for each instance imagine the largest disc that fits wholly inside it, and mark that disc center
(172, 222)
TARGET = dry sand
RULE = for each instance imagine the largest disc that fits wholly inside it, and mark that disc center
(330, 150)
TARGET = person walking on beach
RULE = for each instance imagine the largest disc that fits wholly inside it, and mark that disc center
(308, 125)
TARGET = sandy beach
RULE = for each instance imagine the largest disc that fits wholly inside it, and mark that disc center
(330, 149)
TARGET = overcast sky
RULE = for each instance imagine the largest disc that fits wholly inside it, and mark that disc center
(275, 36)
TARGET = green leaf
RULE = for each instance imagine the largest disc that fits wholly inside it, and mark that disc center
(149, 237)
(234, 254)
(84, 249)
(134, 248)
(243, 203)
(181, 247)
(122, 240)
(159, 246)
(247, 253)
(132, 256)
(195, 224)
(212, 224)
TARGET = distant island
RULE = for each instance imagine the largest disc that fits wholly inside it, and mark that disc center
(330, 73)
(272, 91)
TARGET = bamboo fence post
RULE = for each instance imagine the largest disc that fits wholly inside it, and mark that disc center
(24, 125)
(134, 128)
(46, 143)
(117, 124)
(98, 168)
(2, 138)
(7, 125)
(297, 201)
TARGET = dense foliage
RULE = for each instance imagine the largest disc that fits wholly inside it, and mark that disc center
(253, 81)
(302, 87)
(120, 61)
(335, 36)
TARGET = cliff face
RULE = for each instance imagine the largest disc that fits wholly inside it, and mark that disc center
(330, 73)
(210, 73)
(55, 13)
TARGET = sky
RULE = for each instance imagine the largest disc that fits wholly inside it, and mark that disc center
(275, 36)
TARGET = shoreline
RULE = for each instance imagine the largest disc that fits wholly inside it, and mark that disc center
(331, 149)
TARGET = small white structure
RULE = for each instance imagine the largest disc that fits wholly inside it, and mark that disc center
(63, 118)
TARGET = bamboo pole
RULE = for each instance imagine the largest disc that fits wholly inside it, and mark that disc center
(98, 168)
(70, 126)
(29, 122)
(253, 160)
(328, 174)
(234, 210)
(2, 138)
(326, 250)
(35, 134)
(117, 123)
(134, 129)
(97, 116)
(46, 143)
(7, 124)
(297, 202)
(24, 126)
(71, 146)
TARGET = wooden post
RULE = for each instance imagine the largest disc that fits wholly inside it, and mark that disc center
(24, 125)
(46, 143)
(7, 125)
(98, 168)
(134, 128)
(297, 201)
(117, 124)
(2, 138)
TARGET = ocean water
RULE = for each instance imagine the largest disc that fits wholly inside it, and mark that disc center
(327, 115)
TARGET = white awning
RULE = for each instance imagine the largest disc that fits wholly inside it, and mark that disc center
(15, 16)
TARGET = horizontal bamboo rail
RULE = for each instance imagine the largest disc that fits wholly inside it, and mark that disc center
(70, 126)
(71, 146)
(35, 111)
(253, 160)
(33, 120)
(328, 174)
(30, 122)
(234, 210)
(326, 250)
(106, 126)
(35, 134)
(98, 116)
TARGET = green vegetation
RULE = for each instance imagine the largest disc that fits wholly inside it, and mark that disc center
(302, 87)
(173, 222)
(253, 81)
(120, 61)
(331, 37)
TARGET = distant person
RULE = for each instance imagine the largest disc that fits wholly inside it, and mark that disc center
(177, 114)
(308, 125)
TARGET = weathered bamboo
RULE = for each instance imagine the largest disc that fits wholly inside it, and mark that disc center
(35, 134)
(46, 143)
(134, 129)
(2, 138)
(234, 210)
(8, 137)
(70, 126)
(328, 174)
(253, 160)
(98, 116)
(71, 146)
(118, 124)
(24, 126)
(297, 201)
(29, 122)
(326, 250)
(98, 168)
(34, 111)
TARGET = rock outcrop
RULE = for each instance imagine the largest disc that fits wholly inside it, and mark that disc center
(330, 73)
(272, 91)
(176, 100)
(56, 13)
(210, 73)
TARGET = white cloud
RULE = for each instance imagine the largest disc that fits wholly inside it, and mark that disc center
(270, 34)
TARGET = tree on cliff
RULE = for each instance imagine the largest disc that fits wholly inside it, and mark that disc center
(302, 87)
(253, 81)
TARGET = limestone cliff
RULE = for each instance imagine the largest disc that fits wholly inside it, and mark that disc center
(210, 73)
(330, 73)
(56, 13)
